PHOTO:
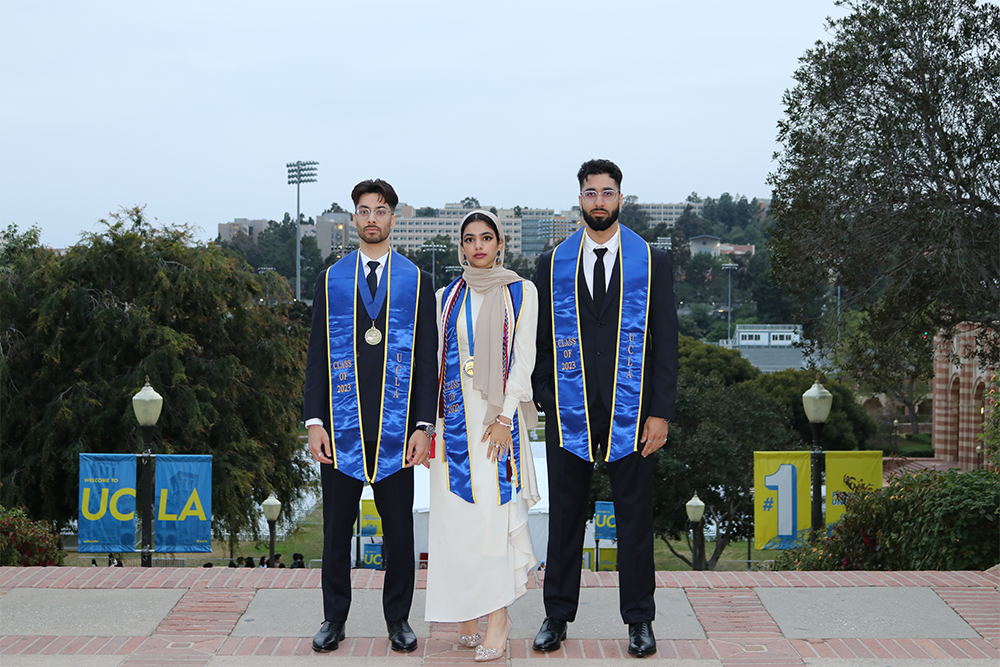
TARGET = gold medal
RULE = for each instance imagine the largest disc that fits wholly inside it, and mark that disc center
(373, 336)
(467, 367)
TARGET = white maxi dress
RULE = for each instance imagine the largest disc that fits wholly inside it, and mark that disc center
(480, 554)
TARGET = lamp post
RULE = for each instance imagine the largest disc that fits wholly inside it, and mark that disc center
(728, 267)
(433, 247)
(147, 405)
(272, 508)
(695, 511)
(895, 436)
(299, 173)
(817, 402)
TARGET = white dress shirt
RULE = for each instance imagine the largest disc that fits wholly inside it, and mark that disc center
(590, 259)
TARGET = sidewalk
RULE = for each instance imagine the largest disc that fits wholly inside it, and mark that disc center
(214, 617)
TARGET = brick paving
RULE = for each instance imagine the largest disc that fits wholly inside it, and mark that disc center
(738, 628)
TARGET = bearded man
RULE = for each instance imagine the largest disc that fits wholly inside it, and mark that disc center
(606, 378)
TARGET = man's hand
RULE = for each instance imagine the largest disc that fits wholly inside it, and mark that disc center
(418, 448)
(654, 434)
(319, 443)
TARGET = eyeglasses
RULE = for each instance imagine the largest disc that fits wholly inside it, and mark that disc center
(591, 195)
(381, 213)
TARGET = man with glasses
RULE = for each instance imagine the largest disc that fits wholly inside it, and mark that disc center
(370, 398)
(606, 377)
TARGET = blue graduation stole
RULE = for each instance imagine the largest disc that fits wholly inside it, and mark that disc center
(400, 289)
(454, 301)
(572, 412)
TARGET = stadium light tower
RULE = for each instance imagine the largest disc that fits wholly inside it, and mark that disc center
(299, 173)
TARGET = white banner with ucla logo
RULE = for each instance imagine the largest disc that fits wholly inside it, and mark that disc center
(183, 498)
(853, 467)
(107, 503)
(781, 513)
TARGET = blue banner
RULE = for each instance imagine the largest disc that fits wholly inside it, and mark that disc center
(183, 497)
(373, 557)
(604, 521)
(107, 503)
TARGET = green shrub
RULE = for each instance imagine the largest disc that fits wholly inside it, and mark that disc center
(929, 520)
(25, 542)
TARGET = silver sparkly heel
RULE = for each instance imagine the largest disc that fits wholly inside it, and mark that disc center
(484, 654)
(470, 641)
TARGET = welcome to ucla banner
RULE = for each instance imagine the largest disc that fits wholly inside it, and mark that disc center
(183, 497)
(858, 467)
(107, 503)
(782, 511)
(604, 521)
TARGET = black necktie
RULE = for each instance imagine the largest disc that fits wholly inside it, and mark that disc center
(372, 278)
(600, 283)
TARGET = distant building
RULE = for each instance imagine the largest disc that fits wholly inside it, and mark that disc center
(704, 243)
(736, 250)
(959, 385)
(769, 347)
(669, 213)
(252, 228)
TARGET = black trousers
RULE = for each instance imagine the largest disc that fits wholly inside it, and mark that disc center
(569, 495)
(394, 501)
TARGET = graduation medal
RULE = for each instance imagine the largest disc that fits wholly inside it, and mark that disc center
(373, 336)
(467, 367)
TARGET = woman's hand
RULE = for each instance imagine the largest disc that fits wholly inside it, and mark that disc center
(500, 439)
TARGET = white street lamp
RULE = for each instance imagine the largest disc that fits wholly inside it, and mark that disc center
(272, 508)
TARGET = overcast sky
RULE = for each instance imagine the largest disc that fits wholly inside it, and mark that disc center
(194, 108)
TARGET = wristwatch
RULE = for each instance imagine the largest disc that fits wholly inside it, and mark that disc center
(428, 429)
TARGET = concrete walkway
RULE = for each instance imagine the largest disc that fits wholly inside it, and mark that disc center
(198, 617)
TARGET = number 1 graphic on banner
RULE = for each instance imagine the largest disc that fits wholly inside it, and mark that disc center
(785, 480)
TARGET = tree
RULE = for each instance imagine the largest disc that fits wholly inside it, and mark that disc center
(275, 247)
(848, 427)
(902, 374)
(632, 215)
(728, 366)
(335, 208)
(437, 262)
(888, 178)
(426, 212)
(82, 331)
(470, 202)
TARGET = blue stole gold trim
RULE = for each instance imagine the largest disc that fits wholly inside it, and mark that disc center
(572, 411)
(456, 427)
(402, 295)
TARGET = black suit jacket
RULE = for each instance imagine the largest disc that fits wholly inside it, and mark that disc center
(598, 334)
(371, 362)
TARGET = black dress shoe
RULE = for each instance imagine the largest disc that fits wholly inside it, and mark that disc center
(329, 636)
(401, 636)
(641, 641)
(550, 637)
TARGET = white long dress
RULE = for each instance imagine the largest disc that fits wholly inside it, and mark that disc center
(480, 554)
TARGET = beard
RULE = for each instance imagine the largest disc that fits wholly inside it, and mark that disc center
(373, 238)
(601, 225)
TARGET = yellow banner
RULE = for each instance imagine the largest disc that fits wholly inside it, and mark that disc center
(782, 515)
(371, 522)
(857, 467)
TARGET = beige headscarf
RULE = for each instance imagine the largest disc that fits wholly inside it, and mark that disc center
(488, 377)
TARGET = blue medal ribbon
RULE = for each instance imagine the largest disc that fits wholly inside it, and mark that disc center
(400, 291)
(572, 411)
(373, 304)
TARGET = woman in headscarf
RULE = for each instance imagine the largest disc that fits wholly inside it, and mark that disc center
(482, 477)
